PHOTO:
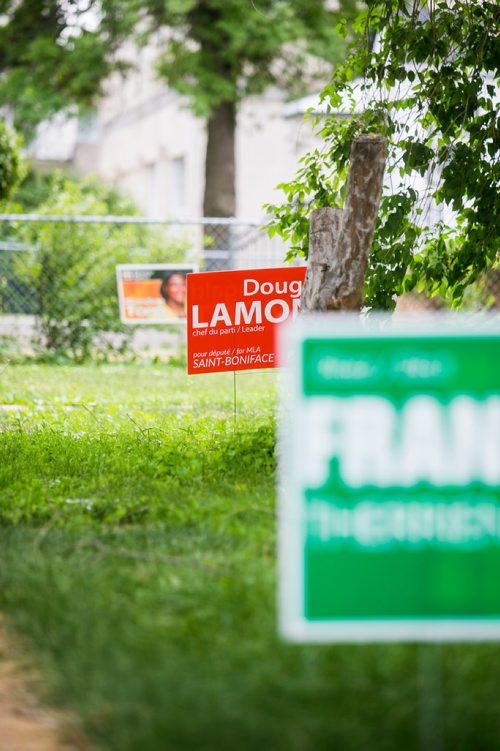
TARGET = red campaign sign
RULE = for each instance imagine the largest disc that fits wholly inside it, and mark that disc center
(232, 316)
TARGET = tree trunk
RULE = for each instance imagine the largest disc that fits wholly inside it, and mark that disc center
(324, 229)
(220, 189)
(219, 199)
(337, 284)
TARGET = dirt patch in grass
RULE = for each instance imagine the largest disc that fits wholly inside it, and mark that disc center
(25, 725)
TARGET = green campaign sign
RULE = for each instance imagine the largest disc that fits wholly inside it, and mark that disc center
(390, 481)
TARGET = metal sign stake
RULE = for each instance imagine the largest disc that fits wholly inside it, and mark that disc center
(234, 397)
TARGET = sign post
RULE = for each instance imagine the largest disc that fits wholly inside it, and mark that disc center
(390, 481)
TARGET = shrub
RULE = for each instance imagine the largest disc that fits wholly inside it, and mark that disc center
(10, 161)
(72, 268)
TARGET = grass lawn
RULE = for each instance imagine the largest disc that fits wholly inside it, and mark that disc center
(137, 561)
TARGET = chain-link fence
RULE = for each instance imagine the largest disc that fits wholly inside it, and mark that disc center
(57, 273)
(58, 287)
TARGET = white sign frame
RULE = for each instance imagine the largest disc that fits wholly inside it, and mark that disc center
(185, 268)
(293, 626)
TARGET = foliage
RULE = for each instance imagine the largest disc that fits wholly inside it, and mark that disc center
(221, 51)
(215, 52)
(226, 50)
(33, 190)
(10, 161)
(37, 188)
(72, 269)
(137, 560)
(55, 53)
(430, 86)
(16, 290)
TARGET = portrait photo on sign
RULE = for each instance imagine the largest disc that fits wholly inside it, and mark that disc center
(153, 293)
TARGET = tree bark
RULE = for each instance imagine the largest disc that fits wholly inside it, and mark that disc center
(324, 229)
(219, 198)
(220, 191)
(341, 286)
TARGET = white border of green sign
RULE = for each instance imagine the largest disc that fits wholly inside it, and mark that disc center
(293, 623)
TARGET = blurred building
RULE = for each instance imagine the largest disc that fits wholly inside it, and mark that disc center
(143, 139)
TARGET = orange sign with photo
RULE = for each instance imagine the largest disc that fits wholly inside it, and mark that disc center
(152, 293)
(233, 315)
